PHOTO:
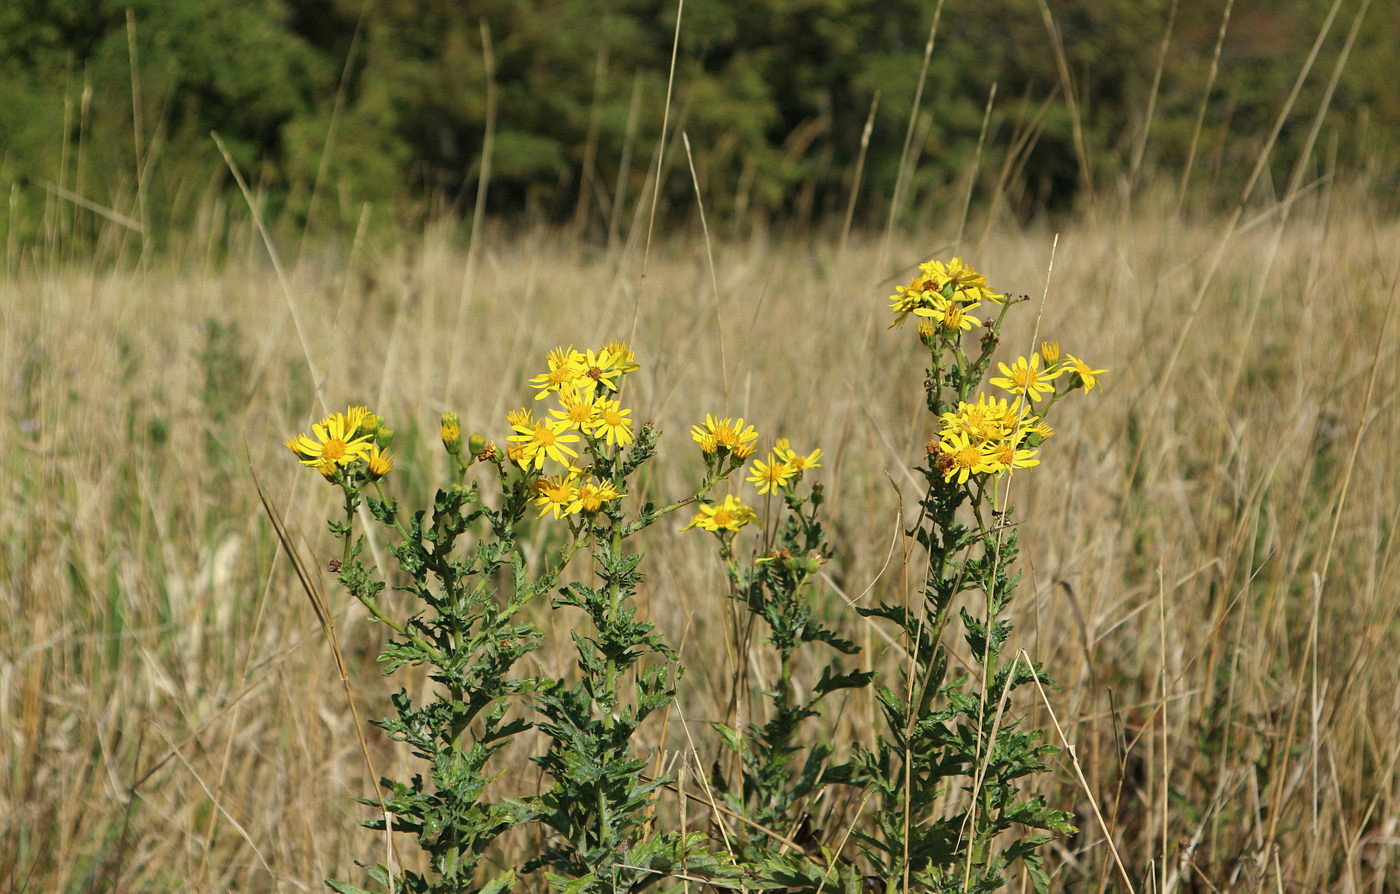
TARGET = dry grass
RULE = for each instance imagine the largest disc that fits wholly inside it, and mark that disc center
(1209, 554)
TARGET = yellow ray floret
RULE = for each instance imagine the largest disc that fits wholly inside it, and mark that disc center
(731, 515)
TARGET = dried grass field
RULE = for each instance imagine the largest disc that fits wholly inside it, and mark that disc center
(1209, 552)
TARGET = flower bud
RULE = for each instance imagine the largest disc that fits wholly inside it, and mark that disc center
(476, 444)
(384, 436)
(451, 433)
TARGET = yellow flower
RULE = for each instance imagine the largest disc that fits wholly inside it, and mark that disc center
(565, 366)
(1050, 350)
(591, 496)
(553, 495)
(953, 281)
(334, 442)
(1085, 376)
(908, 299)
(1006, 455)
(951, 315)
(990, 419)
(731, 515)
(725, 434)
(451, 433)
(519, 417)
(613, 425)
(771, 475)
(359, 419)
(545, 439)
(959, 456)
(623, 356)
(381, 462)
(601, 368)
(578, 411)
(799, 463)
(968, 284)
(1026, 379)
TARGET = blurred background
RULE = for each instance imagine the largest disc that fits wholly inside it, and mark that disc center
(792, 107)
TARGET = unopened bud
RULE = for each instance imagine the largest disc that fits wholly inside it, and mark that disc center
(384, 436)
(476, 444)
(451, 433)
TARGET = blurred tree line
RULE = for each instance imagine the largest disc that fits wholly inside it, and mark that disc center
(329, 104)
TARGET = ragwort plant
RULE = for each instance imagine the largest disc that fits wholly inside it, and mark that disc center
(572, 464)
(948, 813)
(940, 808)
(780, 766)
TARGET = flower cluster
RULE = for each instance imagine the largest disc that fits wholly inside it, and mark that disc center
(721, 437)
(993, 436)
(588, 416)
(942, 296)
(731, 515)
(783, 468)
(987, 438)
(1026, 378)
(725, 445)
(346, 447)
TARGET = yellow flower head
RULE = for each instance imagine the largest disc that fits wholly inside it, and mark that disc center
(580, 411)
(967, 284)
(335, 442)
(622, 354)
(1025, 378)
(602, 369)
(950, 315)
(990, 419)
(725, 434)
(613, 426)
(360, 419)
(907, 300)
(951, 281)
(591, 495)
(1050, 350)
(1006, 456)
(771, 475)
(554, 495)
(799, 463)
(1085, 376)
(565, 368)
(731, 515)
(381, 462)
(961, 458)
(544, 440)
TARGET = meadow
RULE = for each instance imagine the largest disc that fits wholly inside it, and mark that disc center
(1208, 545)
